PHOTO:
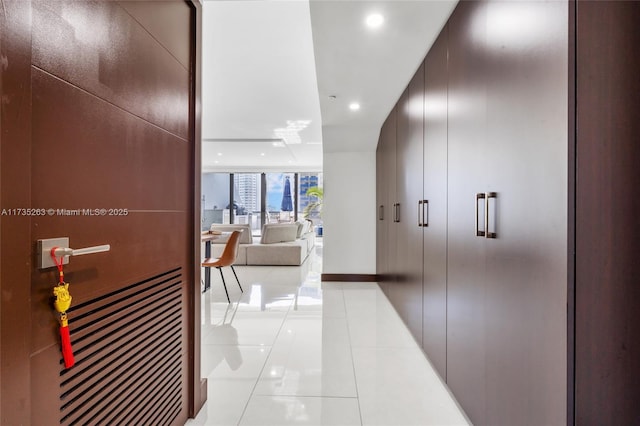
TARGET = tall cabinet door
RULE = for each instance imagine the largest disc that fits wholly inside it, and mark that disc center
(467, 158)
(399, 213)
(387, 182)
(385, 189)
(382, 210)
(508, 138)
(434, 207)
(407, 291)
(394, 293)
(526, 165)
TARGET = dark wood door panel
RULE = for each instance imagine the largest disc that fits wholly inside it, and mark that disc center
(96, 115)
(526, 143)
(380, 206)
(141, 245)
(466, 280)
(407, 291)
(390, 169)
(102, 157)
(607, 209)
(385, 203)
(15, 245)
(398, 289)
(100, 48)
(154, 21)
(435, 192)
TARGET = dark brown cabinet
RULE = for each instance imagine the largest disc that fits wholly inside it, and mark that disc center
(434, 205)
(494, 164)
(406, 293)
(529, 211)
(507, 295)
(467, 175)
(400, 165)
(386, 196)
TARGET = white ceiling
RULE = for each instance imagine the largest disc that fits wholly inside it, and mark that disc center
(270, 67)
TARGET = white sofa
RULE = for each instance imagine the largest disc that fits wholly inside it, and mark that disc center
(280, 243)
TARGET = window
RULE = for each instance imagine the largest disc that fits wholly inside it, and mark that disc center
(247, 197)
(309, 202)
(257, 198)
(215, 199)
(281, 198)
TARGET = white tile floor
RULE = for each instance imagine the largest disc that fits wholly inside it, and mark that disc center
(294, 351)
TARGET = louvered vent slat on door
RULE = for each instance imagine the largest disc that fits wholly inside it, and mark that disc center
(128, 347)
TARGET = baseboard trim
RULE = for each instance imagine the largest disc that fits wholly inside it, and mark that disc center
(367, 278)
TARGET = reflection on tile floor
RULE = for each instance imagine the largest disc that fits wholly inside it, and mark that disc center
(291, 350)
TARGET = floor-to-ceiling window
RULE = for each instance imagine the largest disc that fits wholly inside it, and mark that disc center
(259, 198)
(216, 199)
(248, 199)
(281, 197)
(310, 197)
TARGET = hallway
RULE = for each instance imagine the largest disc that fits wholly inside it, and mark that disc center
(294, 351)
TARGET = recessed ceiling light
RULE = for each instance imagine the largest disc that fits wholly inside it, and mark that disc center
(354, 106)
(219, 154)
(374, 20)
(262, 154)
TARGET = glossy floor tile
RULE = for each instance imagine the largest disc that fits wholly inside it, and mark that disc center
(291, 350)
(279, 411)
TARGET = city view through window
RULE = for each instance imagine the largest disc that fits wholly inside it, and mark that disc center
(258, 198)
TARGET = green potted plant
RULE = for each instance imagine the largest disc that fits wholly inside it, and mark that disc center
(314, 206)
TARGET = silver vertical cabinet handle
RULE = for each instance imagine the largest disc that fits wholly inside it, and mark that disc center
(425, 216)
(420, 212)
(489, 234)
(381, 212)
(396, 213)
(480, 196)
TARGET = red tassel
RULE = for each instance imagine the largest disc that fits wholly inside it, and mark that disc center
(67, 352)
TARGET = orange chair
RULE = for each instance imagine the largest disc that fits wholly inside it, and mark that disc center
(228, 257)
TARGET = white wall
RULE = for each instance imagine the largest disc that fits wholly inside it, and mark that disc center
(348, 213)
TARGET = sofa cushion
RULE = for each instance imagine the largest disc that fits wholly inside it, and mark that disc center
(217, 249)
(278, 233)
(226, 229)
(292, 253)
(304, 226)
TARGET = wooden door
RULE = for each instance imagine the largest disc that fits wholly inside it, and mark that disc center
(526, 165)
(467, 159)
(385, 180)
(434, 329)
(383, 213)
(607, 331)
(389, 200)
(407, 291)
(382, 210)
(395, 290)
(104, 152)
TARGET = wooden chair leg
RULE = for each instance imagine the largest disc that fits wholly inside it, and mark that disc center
(224, 284)
(234, 273)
